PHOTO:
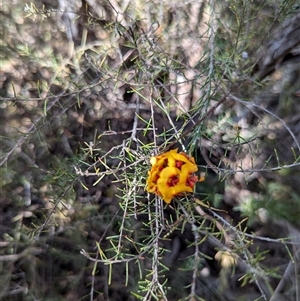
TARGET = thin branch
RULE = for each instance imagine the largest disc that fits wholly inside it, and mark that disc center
(115, 261)
(233, 171)
(249, 103)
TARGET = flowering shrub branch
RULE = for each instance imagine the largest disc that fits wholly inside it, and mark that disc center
(172, 174)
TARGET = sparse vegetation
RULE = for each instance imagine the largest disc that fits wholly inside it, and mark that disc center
(90, 91)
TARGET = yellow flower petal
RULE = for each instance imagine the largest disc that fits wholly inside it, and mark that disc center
(172, 174)
(153, 160)
(168, 172)
(168, 193)
(181, 157)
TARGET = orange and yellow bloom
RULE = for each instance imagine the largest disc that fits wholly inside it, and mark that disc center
(172, 174)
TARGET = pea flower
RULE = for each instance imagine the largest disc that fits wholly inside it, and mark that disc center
(172, 174)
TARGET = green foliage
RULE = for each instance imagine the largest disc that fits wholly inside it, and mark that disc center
(81, 116)
(278, 202)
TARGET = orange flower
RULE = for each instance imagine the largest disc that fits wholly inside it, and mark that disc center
(172, 174)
